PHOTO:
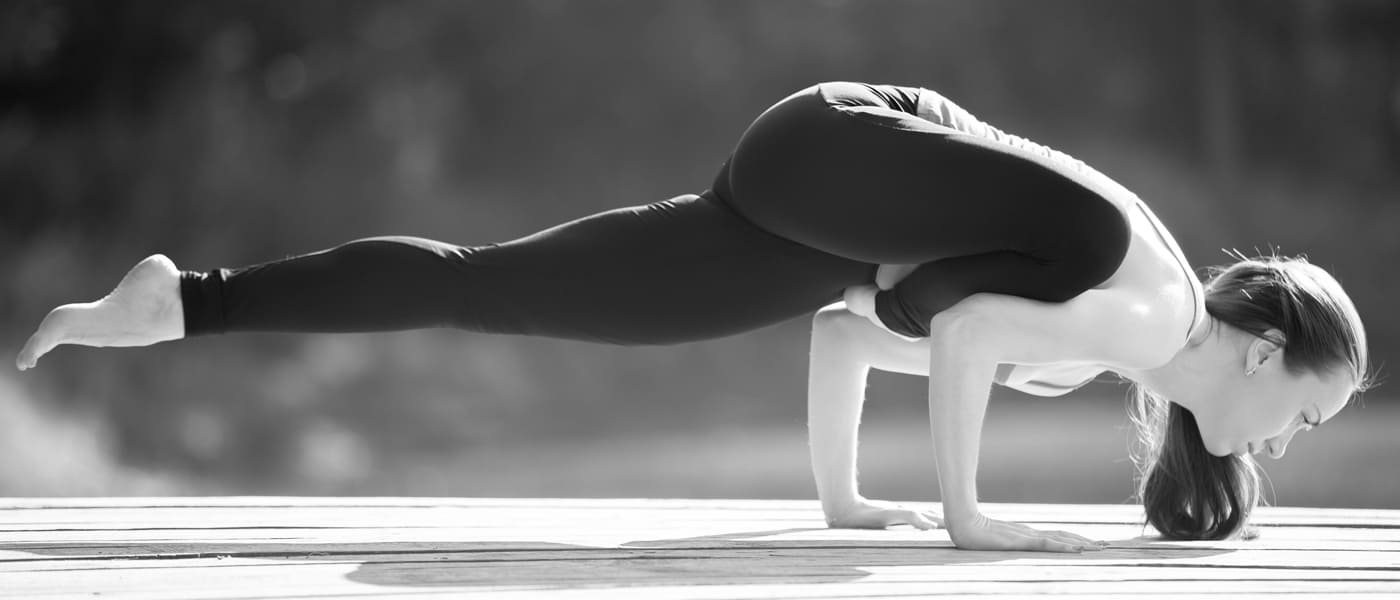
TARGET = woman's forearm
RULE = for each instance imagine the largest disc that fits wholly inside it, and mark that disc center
(960, 380)
(835, 394)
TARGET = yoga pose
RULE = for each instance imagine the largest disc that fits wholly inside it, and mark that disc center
(926, 241)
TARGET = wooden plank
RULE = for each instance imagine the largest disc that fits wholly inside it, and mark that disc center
(1382, 563)
(252, 547)
(738, 576)
(1076, 513)
(136, 543)
(52, 556)
(14, 509)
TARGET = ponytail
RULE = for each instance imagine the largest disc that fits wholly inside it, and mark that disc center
(1188, 493)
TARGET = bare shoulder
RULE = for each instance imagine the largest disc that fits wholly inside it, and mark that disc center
(1126, 327)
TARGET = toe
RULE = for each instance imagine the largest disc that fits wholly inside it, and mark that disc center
(30, 354)
(54, 330)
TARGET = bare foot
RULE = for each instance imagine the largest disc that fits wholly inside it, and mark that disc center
(144, 309)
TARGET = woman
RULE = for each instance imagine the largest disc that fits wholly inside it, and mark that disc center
(931, 242)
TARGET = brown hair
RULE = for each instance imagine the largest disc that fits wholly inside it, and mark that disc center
(1186, 492)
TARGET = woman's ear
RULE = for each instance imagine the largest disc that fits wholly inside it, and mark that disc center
(1262, 348)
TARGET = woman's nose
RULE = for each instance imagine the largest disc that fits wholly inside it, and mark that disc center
(1279, 444)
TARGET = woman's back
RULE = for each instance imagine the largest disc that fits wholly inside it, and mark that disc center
(1152, 267)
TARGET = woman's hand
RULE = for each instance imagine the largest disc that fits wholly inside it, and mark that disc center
(981, 533)
(878, 514)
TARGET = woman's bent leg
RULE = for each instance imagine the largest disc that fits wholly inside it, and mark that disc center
(683, 269)
(877, 185)
(830, 168)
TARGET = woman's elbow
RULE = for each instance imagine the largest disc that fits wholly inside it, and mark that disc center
(833, 318)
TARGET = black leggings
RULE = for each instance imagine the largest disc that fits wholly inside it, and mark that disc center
(822, 187)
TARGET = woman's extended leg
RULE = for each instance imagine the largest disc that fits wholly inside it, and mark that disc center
(682, 269)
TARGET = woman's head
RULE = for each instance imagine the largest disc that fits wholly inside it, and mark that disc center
(1285, 349)
(1289, 350)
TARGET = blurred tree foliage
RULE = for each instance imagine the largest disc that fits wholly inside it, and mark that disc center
(241, 131)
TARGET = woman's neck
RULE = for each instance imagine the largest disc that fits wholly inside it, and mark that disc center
(1177, 374)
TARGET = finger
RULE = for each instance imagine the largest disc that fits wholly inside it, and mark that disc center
(1064, 536)
(1075, 540)
(1074, 537)
(1054, 545)
(1090, 543)
(1049, 544)
(936, 518)
(1041, 543)
(918, 520)
(1060, 537)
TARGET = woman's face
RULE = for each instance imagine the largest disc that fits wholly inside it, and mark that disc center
(1262, 412)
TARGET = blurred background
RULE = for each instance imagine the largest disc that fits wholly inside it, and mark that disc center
(229, 133)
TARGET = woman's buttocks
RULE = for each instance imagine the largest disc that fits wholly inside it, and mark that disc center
(808, 170)
(797, 141)
(785, 146)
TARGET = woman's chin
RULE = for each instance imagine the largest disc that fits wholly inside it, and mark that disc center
(1220, 450)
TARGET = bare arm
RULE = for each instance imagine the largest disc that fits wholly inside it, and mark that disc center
(1105, 326)
(844, 347)
(965, 344)
(959, 383)
(835, 394)
(961, 368)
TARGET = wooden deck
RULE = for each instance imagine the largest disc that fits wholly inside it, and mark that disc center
(289, 547)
